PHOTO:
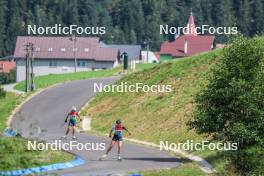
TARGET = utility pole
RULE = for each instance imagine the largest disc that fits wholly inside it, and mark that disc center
(32, 75)
(74, 39)
(147, 52)
(29, 66)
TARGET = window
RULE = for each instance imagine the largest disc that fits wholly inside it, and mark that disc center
(50, 49)
(86, 49)
(81, 63)
(53, 63)
(74, 49)
(63, 49)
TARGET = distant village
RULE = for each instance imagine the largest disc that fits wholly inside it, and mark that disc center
(57, 55)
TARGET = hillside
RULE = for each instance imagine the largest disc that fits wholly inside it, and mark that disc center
(156, 116)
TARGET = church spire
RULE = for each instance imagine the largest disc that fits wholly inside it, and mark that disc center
(190, 27)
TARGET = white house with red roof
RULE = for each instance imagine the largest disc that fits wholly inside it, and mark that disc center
(56, 55)
(188, 44)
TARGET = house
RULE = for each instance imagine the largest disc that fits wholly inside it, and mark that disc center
(7, 66)
(149, 57)
(133, 51)
(56, 55)
(187, 44)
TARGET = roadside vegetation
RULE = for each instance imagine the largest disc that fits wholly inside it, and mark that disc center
(7, 78)
(188, 168)
(13, 150)
(51, 79)
(231, 109)
(168, 112)
(8, 102)
(237, 83)
(14, 155)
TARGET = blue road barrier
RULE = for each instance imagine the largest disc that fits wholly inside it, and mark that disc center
(9, 132)
(76, 162)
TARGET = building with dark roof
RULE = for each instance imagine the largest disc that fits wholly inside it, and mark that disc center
(56, 55)
(133, 51)
(187, 44)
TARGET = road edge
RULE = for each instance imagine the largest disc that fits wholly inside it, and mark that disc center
(27, 96)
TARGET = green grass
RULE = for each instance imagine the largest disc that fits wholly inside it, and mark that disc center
(187, 169)
(167, 112)
(14, 155)
(145, 66)
(51, 79)
(216, 158)
(7, 105)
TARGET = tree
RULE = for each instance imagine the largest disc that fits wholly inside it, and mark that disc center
(222, 15)
(244, 18)
(258, 17)
(3, 9)
(133, 37)
(14, 25)
(231, 107)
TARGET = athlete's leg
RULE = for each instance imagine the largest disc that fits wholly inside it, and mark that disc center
(73, 130)
(68, 130)
(110, 146)
(120, 143)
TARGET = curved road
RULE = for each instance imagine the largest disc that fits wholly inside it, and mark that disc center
(43, 117)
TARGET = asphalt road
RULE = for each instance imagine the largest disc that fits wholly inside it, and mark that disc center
(43, 117)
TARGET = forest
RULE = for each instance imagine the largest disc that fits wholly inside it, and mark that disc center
(127, 21)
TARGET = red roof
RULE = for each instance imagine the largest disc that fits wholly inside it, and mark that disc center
(62, 48)
(194, 43)
(6, 66)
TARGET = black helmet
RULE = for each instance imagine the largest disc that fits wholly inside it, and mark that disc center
(118, 121)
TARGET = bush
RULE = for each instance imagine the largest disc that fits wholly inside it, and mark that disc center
(2, 92)
(231, 108)
(249, 161)
(6, 78)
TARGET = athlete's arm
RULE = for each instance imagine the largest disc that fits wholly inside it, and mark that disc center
(66, 118)
(124, 128)
(110, 134)
(79, 117)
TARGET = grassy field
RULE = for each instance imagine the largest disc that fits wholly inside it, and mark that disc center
(167, 112)
(7, 104)
(47, 80)
(145, 66)
(13, 151)
(186, 169)
(14, 155)
(159, 116)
